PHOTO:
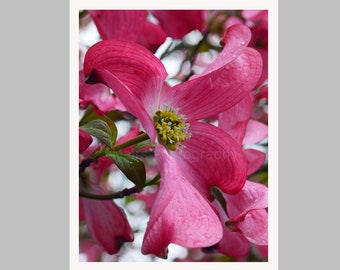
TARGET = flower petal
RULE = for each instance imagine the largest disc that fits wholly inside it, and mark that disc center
(235, 40)
(255, 132)
(255, 159)
(255, 227)
(212, 93)
(152, 36)
(180, 214)
(119, 24)
(107, 223)
(98, 94)
(178, 23)
(212, 158)
(92, 250)
(252, 196)
(233, 243)
(85, 140)
(234, 121)
(134, 74)
(81, 210)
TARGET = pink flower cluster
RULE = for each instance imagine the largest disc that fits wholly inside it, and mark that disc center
(194, 156)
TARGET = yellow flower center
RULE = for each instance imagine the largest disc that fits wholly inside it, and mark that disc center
(171, 128)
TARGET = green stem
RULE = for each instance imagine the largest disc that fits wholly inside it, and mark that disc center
(140, 138)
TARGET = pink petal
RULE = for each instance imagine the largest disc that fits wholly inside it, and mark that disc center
(102, 165)
(232, 20)
(81, 210)
(255, 132)
(253, 14)
(255, 227)
(129, 25)
(134, 74)
(264, 54)
(98, 94)
(210, 94)
(91, 249)
(252, 196)
(152, 36)
(234, 121)
(255, 159)
(212, 158)
(85, 140)
(107, 223)
(97, 169)
(233, 244)
(119, 24)
(178, 23)
(180, 215)
(235, 40)
(263, 94)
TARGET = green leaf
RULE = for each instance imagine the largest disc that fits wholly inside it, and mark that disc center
(89, 115)
(101, 130)
(132, 167)
(106, 130)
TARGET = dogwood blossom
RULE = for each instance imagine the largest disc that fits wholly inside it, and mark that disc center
(192, 156)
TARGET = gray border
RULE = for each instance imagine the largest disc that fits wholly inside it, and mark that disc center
(35, 135)
(308, 135)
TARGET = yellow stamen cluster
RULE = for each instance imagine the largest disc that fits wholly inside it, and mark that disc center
(171, 128)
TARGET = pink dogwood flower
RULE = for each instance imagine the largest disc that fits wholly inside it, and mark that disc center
(192, 155)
